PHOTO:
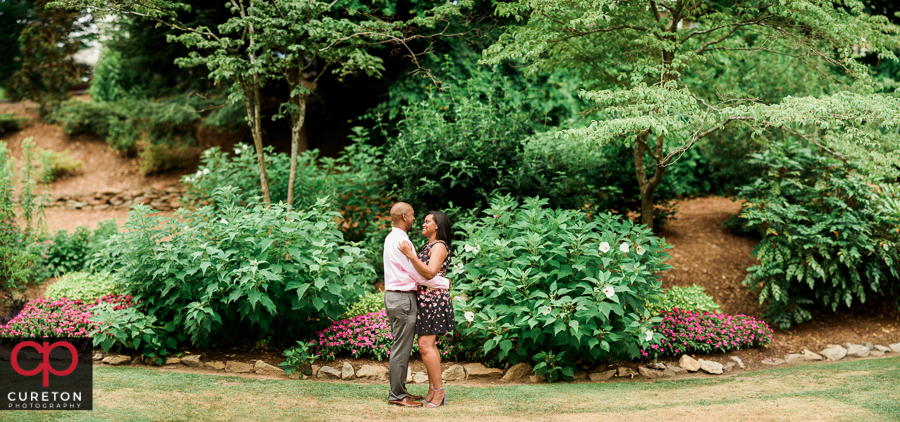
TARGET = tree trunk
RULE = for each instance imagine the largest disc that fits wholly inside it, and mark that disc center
(253, 115)
(648, 186)
(297, 119)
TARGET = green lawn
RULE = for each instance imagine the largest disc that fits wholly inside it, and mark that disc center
(862, 390)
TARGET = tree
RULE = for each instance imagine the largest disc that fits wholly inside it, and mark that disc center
(14, 15)
(644, 64)
(47, 68)
(268, 39)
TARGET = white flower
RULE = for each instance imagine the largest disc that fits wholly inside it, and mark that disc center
(609, 291)
(604, 247)
(458, 268)
(623, 247)
(205, 171)
(224, 221)
(547, 310)
(640, 250)
(470, 316)
(648, 335)
(470, 248)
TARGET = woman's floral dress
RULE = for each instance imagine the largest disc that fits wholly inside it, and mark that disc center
(435, 311)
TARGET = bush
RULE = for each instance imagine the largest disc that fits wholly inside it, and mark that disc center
(160, 158)
(237, 274)
(17, 259)
(9, 123)
(368, 303)
(85, 287)
(554, 286)
(369, 335)
(684, 331)
(130, 328)
(58, 317)
(692, 298)
(65, 252)
(55, 165)
(829, 233)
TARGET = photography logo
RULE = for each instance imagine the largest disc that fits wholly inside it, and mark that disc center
(46, 374)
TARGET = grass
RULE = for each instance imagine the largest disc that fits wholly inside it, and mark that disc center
(861, 390)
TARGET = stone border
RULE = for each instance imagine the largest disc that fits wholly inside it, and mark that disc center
(518, 373)
(159, 198)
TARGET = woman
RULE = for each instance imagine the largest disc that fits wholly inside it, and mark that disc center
(435, 310)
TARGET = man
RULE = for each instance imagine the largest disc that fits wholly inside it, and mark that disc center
(400, 303)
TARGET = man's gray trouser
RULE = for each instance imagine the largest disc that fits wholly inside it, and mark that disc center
(401, 312)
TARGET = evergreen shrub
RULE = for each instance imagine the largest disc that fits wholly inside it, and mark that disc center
(830, 233)
(85, 287)
(555, 286)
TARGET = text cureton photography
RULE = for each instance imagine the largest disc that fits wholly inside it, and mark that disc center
(46, 374)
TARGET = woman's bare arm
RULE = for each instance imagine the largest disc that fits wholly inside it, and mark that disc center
(436, 258)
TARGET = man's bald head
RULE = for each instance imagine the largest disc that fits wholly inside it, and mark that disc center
(402, 216)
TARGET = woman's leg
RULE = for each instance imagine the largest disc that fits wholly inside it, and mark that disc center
(432, 359)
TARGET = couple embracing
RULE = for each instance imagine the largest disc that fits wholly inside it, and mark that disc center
(417, 300)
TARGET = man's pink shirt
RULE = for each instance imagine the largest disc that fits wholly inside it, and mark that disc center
(399, 273)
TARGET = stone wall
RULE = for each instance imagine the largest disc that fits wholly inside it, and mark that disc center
(160, 198)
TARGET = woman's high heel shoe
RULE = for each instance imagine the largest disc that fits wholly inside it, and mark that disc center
(443, 401)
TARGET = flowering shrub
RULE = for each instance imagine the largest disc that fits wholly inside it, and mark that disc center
(369, 335)
(233, 274)
(556, 286)
(46, 317)
(687, 331)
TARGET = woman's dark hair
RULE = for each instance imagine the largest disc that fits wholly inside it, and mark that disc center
(444, 228)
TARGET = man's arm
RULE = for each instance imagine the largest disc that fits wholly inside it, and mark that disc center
(438, 282)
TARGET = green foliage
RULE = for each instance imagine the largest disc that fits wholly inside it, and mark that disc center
(132, 329)
(237, 274)
(85, 287)
(9, 123)
(367, 303)
(829, 233)
(16, 258)
(48, 69)
(692, 298)
(354, 180)
(160, 158)
(70, 252)
(554, 286)
(298, 358)
(57, 164)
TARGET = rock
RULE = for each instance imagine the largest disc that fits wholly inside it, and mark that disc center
(215, 364)
(810, 356)
(728, 366)
(454, 373)
(676, 369)
(263, 368)
(881, 348)
(652, 373)
(193, 361)
(895, 347)
(625, 372)
(834, 352)
(876, 353)
(420, 378)
(294, 375)
(517, 372)
(238, 367)
(869, 345)
(689, 363)
(601, 376)
(711, 367)
(773, 362)
(479, 371)
(347, 372)
(329, 373)
(409, 375)
(97, 357)
(738, 361)
(315, 370)
(657, 365)
(794, 358)
(172, 361)
(373, 372)
(857, 350)
(137, 360)
(117, 360)
(538, 378)
(580, 376)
